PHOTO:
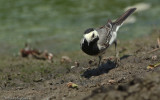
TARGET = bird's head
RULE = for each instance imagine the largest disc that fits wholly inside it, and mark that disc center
(91, 35)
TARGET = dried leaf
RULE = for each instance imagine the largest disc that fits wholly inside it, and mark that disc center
(153, 66)
(150, 67)
(72, 85)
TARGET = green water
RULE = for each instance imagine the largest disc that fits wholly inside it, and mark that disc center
(58, 25)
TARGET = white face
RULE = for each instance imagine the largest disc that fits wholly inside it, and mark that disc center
(91, 36)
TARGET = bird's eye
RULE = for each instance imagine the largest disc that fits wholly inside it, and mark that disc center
(92, 35)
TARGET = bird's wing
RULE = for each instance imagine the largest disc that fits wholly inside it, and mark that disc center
(104, 36)
(105, 32)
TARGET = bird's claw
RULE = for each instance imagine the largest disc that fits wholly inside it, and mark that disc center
(117, 61)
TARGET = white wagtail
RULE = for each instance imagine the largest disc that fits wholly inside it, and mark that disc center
(96, 41)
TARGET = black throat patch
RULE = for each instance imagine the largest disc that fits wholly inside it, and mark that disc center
(92, 48)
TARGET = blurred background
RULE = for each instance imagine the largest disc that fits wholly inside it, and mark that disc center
(58, 25)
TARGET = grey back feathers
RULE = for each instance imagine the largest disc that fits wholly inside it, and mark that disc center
(104, 35)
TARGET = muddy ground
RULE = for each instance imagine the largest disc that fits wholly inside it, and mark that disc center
(32, 79)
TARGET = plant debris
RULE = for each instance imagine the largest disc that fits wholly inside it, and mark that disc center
(28, 51)
(72, 85)
(153, 66)
(158, 48)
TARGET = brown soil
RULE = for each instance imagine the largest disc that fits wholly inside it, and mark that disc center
(131, 80)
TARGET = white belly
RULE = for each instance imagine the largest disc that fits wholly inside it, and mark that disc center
(114, 35)
(113, 38)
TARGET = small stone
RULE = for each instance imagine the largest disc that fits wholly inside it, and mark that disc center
(112, 81)
(19, 88)
(76, 64)
(72, 67)
(65, 59)
(91, 61)
(154, 57)
(65, 95)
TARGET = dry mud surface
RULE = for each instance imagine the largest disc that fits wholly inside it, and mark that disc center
(131, 80)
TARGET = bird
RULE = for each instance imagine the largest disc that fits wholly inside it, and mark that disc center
(95, 41)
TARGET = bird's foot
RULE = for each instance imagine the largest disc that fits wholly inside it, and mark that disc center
(117, 61)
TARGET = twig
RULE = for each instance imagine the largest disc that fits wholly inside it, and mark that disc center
(153, 50)
(153, 66)
(158, 41)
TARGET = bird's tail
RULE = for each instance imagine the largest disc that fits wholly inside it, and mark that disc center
(123, 17)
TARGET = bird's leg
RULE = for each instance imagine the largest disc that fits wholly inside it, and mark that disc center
(117, 60)
(100, 57)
